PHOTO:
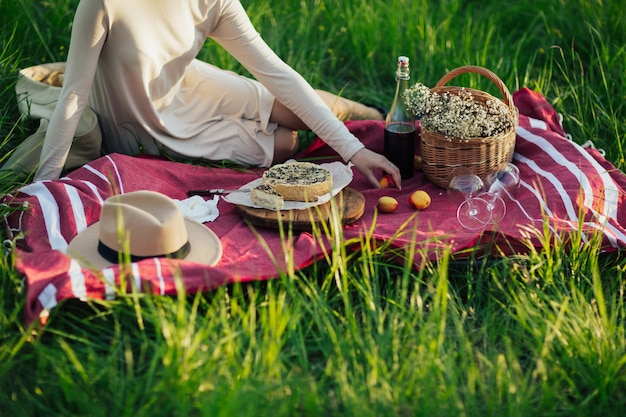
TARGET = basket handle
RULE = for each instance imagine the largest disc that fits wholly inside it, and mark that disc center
(508, 99)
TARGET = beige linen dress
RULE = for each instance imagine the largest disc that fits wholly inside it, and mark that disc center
(134, 62)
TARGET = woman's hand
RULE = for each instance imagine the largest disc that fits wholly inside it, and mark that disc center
(367, 162)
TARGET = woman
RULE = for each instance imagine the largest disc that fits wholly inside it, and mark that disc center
(137, 60)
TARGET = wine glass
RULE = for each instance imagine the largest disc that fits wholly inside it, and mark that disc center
(500, 183)
(507, 179)
(473, 212)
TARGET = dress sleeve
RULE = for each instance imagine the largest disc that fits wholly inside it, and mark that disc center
(237, 35)
(88, 34)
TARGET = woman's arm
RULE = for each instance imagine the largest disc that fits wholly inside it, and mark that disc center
(237, 35)
(89, 32)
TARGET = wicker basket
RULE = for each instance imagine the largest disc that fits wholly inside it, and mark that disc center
(441, 155)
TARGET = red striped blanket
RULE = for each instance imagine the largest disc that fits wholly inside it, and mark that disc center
(564, 188)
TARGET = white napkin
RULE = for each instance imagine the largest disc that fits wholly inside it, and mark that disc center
(342, 176)
(198, 209)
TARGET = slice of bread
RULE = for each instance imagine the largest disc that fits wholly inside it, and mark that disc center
(299, 181)
(264, 196)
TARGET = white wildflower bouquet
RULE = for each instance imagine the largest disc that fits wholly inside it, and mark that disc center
(458, 115)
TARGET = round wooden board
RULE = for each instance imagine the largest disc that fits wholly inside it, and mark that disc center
(351, 202)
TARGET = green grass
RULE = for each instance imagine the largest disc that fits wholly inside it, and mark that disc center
(540, 334)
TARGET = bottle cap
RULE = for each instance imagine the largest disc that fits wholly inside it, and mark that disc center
(403, 61)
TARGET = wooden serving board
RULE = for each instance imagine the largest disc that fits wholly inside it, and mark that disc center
(351, 203)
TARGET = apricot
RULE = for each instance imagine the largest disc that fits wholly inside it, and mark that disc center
(419, 200)
(417, 163)
(387, 204)
(387, 181)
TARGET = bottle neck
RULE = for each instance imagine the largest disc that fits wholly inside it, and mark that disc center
(402, 74)
(402, 79)
(399, 111)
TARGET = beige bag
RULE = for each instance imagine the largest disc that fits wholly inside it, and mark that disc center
(38, 89)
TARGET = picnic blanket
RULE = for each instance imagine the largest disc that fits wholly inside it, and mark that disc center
(564, 188)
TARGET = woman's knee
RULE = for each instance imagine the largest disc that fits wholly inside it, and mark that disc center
(285, 144)
(285, 117)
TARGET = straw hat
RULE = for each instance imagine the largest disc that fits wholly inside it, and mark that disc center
(143, 224)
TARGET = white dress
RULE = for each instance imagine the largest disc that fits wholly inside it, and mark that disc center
(134, 62)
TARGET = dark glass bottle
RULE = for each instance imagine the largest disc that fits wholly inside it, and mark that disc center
(400, 125)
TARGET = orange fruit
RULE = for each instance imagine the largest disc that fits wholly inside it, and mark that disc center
(417, 163)
(387, 204)
(419, 200)
(387, 181)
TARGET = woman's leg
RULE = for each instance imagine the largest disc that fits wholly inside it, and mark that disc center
(346, 109)
(285, 144)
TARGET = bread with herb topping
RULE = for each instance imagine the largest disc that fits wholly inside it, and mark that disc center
(266, 197)
(299, 181)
